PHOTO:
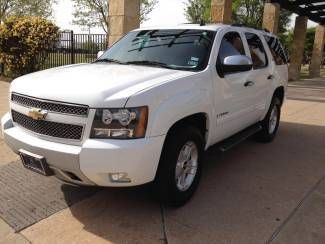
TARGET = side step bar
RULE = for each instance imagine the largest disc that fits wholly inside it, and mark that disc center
(241, 136)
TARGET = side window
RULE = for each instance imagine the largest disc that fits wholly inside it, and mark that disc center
(231, 45)
(276, 49)
(257, 51)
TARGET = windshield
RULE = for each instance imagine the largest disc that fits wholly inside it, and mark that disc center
(174, 49)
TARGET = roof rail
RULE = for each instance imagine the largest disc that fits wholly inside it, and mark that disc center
(241, 25)
(237, 25)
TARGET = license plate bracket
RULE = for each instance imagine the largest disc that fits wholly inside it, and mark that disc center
(35, 163)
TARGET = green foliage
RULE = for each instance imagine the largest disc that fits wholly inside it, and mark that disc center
(42, 8)
(198, 10)
(309, 41)
(146, 8)
(23, 40)
(91, 13)
(245, 12)
(250, 13)
(284, 20)
(287, 40)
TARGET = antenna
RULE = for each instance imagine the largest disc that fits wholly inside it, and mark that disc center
(202, 22)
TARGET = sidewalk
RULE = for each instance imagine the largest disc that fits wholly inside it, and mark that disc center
(7, 235)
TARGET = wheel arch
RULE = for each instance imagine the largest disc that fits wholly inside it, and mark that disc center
(197, 120)
(279, 93)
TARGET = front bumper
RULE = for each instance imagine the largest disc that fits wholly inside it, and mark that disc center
(93, 161)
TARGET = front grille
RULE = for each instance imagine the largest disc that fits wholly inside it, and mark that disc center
(48, 128)
(50, 106)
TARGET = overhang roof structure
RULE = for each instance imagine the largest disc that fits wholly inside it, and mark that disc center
(313, 9)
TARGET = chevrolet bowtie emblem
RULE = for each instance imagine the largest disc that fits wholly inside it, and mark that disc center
(37, 114)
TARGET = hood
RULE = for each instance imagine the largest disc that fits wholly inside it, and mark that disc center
(95, 85)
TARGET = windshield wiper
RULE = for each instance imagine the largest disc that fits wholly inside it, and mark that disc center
(150, 63)
(109, 60)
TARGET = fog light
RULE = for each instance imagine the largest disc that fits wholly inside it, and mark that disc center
(120, 177)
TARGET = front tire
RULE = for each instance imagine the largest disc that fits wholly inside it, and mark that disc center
(180, 166)
(271, 122)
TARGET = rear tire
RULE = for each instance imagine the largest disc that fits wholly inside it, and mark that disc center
(180, 166)
(271, 122)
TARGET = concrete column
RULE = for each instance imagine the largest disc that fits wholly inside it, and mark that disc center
(221, 11)
(298, 45)
(316, 60)
(124, 16)
(271, 17)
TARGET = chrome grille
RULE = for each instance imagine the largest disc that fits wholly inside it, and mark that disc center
(50, 106)
(48, 128)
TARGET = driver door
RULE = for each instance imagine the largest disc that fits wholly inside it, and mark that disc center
(234, 97)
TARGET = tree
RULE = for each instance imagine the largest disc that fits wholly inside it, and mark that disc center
(250, 13)
(197, 11)
(23, 42)
(245, 12)
(309, 41)
(287, 40)
(91, 13)
(42, 8)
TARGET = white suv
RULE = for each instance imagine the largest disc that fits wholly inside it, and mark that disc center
(149, 107)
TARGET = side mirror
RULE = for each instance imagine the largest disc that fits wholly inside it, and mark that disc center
(236, 63)
(100, 53)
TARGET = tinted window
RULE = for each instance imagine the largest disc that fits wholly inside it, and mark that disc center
(176, 49)
(257, 51)
(231, 44)
(276, 49)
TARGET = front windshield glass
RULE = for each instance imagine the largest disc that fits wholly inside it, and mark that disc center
(174, 49)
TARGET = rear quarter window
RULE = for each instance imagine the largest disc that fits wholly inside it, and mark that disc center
(279, 56)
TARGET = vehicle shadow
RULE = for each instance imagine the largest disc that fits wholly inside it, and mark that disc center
(244, 195)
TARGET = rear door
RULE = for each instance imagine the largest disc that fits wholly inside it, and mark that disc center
(280, 60)
(261, 76)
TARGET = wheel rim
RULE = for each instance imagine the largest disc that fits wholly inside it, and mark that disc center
(186, 167)
(273, 119)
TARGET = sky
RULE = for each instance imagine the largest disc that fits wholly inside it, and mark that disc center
(167, 12)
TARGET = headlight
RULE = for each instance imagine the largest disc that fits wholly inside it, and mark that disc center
(124, 123)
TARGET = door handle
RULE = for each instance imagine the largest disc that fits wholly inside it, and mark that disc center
(249, 83)
(270, 77)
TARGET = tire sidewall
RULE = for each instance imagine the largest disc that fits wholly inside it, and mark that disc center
(266, 122)
(167, 166)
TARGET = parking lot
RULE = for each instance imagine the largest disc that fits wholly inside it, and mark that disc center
(254, 193)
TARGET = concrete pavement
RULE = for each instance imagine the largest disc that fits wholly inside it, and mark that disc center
(254, 193)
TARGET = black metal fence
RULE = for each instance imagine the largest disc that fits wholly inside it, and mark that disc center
(74, 48)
